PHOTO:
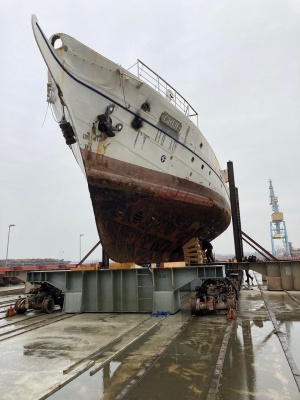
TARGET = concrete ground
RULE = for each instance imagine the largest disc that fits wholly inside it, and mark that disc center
(96, 356)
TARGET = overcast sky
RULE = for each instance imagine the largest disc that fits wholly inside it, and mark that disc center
(237, 62)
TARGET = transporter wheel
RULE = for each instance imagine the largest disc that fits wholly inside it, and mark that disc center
(18, 306)
(193, 306)
(48, 305)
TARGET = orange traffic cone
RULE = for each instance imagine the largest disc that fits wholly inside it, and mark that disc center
(10, 312)
(230, 314)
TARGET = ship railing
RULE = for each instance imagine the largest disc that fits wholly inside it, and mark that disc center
(150, 77)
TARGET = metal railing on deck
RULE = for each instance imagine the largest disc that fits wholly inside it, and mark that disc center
(150, 77)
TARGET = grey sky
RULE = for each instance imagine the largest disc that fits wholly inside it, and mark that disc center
(237, 62)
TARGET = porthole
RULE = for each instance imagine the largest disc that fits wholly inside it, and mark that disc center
(201, 145)
(191, 173)
(193, 159)
(202, 166)
(56, 42)
(209, 173)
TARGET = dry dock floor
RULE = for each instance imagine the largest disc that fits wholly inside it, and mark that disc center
(142, 357)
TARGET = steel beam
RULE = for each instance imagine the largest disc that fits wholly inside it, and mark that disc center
(235, 213)
(125, 290)
(151, 290)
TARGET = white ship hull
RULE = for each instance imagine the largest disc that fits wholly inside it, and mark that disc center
(153, 178)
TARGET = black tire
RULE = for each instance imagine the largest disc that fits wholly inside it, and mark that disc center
(18, 308)
(193, 306)
(48, 305)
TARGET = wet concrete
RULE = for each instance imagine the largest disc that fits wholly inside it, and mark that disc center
(185, 369)
(287, 313)
(109, 381)
(96, 356)
(255, 365)
(37, 359)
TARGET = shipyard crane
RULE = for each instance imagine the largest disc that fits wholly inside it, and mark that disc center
(277, 224)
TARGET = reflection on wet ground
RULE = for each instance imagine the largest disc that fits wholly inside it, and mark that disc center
(287, 313)
(292, 332)
(185, 367)
(118, 346)
(185, 370)
(255, 366)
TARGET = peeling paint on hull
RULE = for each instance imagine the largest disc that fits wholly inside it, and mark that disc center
(153, 178)
(145, 222)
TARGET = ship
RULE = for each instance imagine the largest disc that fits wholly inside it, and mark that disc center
(154, 180)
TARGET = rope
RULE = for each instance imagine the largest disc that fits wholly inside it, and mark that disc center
(45, 115)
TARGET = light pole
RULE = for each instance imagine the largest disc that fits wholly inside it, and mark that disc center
(80, 246)
(8, 242)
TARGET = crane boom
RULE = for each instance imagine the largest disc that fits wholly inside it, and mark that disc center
(277, 224)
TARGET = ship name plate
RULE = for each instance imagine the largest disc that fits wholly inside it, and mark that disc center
(170, 121)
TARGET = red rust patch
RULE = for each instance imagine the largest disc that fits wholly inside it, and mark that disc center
(146, 216)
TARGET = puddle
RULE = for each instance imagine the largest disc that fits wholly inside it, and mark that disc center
(185, 369)
(87, 387)
(292, 331)
(255, 366)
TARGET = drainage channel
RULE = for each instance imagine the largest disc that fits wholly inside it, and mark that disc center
(43, 320)
(255, 366)
(82, 371)
(292, 297)
(151, 358)
(190, 365)
(143, 371)
(283, 342)
(282, 336)
(154, 357)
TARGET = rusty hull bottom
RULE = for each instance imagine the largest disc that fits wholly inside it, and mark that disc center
(146, 216)
(144, 228)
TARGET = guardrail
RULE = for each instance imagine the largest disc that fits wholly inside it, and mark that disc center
(150, 77)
